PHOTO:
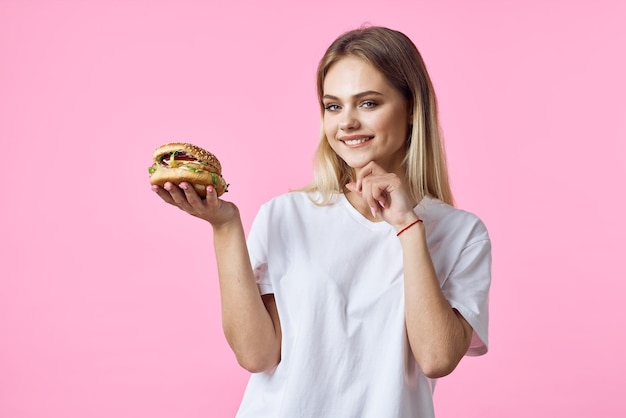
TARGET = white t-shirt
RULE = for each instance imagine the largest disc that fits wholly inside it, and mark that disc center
(337, 279)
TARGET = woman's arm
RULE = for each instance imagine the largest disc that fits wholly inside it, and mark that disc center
(250, 321)
(438, 335)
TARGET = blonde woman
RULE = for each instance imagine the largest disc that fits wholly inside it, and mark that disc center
(353, 295)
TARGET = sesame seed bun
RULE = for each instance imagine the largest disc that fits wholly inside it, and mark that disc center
(200, 153)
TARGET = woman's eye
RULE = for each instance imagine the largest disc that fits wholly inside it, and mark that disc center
(331, 107)
(368, 104)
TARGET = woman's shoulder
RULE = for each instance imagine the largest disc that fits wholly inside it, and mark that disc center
(446, 218)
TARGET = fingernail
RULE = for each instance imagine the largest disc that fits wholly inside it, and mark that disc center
(183, 186)
(155, 188)
(373, 212)
(167, 186)
(209, 189)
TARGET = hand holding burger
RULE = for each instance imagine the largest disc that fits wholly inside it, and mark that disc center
(182, 162)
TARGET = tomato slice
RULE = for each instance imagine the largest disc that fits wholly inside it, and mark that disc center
(178, 156)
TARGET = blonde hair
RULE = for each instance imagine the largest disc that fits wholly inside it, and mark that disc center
(399, 61)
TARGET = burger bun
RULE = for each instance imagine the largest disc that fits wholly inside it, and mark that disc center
(196, 166)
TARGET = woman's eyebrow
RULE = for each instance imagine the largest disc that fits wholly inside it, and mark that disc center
(356, 96)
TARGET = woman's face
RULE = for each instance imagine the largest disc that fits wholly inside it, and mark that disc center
(365, 118)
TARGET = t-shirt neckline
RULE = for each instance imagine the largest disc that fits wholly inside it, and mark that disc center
(375, 226)
(357, 216)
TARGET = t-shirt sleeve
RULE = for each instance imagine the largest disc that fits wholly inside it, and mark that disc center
(467, 290)
(257, 249)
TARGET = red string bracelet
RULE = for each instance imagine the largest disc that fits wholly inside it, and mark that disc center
(408, 226)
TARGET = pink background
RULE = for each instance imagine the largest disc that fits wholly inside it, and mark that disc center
(108, 298)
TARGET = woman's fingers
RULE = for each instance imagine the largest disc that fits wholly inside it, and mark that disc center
(185, 197)
(178, 196)
(382, 191)
(211, 196)
(352, 187)
(163, 194)
(374, 189)
(172, 194)
(369, 169)
(192, 197)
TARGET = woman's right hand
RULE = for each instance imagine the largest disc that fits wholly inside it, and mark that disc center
(216, 211)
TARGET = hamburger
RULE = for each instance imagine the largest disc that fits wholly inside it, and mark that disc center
(179, 162)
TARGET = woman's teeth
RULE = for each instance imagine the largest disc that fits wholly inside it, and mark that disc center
(356, 141)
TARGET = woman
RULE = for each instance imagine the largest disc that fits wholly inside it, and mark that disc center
(355, 293)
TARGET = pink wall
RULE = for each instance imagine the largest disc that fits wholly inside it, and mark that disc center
(108, 298)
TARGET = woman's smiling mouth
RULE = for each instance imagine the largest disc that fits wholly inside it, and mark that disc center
(355, 140)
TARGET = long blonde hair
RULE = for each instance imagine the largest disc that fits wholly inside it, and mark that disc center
(399, 61)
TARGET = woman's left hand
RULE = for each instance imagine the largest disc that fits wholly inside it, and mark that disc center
(385, 194)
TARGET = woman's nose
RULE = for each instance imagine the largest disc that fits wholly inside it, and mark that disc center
(349, 121)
